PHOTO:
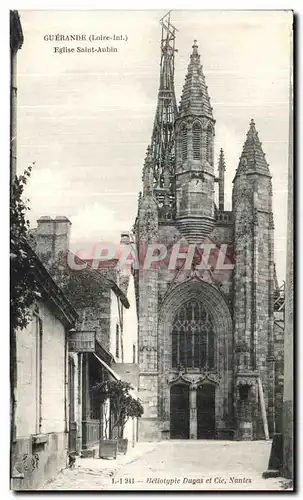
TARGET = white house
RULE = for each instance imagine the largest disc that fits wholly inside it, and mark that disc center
(41, 392)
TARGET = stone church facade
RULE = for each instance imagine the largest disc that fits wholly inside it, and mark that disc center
(206, 331)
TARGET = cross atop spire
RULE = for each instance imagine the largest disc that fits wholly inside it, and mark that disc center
(195, 48)
(195, 99)
(252, 159)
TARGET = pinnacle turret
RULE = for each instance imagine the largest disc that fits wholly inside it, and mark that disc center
(221, 162)
(252, 159)
(195, 99)
(221, 170)
(148, 176)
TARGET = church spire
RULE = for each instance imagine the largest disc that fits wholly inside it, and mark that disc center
(163, 131)
(252, 159)
(195, 99)
(221, 170)
(194, 151)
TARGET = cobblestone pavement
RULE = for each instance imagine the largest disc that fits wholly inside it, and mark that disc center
(175, 465)
(95, 473)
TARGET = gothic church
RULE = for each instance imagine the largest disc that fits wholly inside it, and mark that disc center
(206, 335)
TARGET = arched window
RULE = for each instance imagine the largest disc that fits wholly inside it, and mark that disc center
(196, 141)
(184, 142)
(209, 135)
(192, 337)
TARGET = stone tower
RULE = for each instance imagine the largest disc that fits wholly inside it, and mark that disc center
(253, 285)
(194, 144)
(147, 291)
(205, 305)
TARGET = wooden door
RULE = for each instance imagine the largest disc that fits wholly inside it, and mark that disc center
(179, 411)
(206, 424)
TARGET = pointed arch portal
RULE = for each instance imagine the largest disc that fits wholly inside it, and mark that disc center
(195, 330)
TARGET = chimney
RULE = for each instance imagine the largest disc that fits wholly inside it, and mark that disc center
(52, 236)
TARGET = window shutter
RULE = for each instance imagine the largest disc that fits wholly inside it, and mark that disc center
(209, 145)
(184, 143)
(197, 141)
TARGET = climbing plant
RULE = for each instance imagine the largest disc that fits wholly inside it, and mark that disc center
(23, 286)
(81, 287)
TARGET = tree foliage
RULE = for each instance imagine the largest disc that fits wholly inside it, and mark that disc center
(23, 286)
(123, 405)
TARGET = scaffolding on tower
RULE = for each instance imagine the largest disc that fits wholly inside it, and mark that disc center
(279, 300)
(162, 143)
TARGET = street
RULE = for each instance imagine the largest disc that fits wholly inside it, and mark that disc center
(175, 465)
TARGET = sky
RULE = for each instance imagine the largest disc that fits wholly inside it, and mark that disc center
(86, 119)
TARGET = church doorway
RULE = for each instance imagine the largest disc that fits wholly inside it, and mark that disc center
(206, 426)
(179, 411)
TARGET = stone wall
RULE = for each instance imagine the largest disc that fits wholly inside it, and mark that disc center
(40, 462)
(148, 348)
(149, 426)
(264, 251)
(130, 326)
(288, 398)
(279, 374)
(222, 233)
(41, 400)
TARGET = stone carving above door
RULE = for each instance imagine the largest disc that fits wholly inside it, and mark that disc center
(193, 379)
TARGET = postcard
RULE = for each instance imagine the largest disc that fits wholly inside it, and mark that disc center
(151, 212)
